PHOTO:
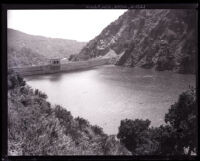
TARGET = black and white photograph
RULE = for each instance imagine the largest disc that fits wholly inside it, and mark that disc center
(108, 82)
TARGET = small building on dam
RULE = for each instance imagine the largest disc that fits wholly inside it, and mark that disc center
(54, 64)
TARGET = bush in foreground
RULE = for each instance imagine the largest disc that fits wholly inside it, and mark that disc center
(179, 133)
(35, 127)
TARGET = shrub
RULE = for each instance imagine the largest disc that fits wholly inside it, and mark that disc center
(97, 130)
(82, 123)
(14, 80)
(40, 94)
(179, 133)
(132, 133)
(62, 114)
(182, 117)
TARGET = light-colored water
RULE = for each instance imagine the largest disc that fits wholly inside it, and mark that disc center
(107, 94)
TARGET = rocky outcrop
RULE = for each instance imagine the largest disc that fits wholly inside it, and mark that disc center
(161, 38)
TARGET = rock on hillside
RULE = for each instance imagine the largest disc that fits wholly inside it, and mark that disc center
(161, 38)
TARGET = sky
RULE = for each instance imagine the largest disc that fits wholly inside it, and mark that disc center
(81, 25)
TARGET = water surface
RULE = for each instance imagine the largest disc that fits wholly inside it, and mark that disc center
(107, 94)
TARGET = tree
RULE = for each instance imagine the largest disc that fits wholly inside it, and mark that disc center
(182, 117)
(63, 115)
(179, 133)
(165, 137)
(97, 130)
(40, 94)
(82, 123)
(14, 80)
(133, 134)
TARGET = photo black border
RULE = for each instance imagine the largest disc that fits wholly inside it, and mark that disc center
(64, 5)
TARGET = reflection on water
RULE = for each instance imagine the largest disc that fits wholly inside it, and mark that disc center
(56, 77)
(107, 94)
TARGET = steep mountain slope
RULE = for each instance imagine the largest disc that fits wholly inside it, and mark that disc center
(38, 47)
(164, 39)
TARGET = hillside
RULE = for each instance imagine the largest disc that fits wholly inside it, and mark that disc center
(24, 57)
(163, 39)
(35, 127)
(25, 49)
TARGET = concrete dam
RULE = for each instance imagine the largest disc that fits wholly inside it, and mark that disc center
(56, 67)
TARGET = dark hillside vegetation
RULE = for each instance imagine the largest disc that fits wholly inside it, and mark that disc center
(178, 137)
(35, 127)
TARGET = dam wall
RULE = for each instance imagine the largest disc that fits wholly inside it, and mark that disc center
(49, 69)
(84, 64)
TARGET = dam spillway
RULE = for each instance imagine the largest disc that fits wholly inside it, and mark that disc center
(66, 67)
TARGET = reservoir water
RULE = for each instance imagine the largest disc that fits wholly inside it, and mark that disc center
(107, 94)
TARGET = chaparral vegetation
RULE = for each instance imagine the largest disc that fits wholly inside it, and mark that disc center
(35, 127)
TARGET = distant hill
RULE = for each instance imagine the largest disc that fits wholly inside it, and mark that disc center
(161, 38)
(25, 49)
(24, 57)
